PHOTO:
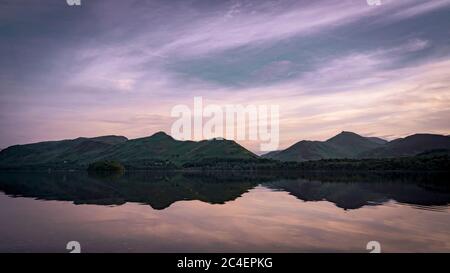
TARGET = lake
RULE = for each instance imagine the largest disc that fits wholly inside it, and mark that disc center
(224, 212)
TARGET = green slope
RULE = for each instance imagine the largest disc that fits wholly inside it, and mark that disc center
(57, 152)
(350, 144)
(343, 145)
(409, 146)
(377, 140)
(157, 150)
(307, 150)
(162, 147)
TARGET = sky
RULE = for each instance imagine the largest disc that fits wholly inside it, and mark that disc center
(119, 67)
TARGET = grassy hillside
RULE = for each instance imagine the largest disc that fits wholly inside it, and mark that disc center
(161, 147)
(377, 140)
(57, 152)
(351, 144)
(160, 151)
(307, 150)
(343, 145)
(157, 151)
(409, 146)
(348, 145)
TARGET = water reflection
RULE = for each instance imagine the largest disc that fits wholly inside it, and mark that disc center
(355, 190)
(160, 190)
(224, 212)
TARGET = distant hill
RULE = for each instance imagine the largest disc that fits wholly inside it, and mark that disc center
(409, 146)
(161, 151)
(271, 154)
(306, 150)
(110, 139)
(351, 144)
(344, 145)
(377, 140)
(60, 152)
(162, 147)
(146, 152)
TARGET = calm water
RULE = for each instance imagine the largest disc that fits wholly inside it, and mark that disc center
(156, 212)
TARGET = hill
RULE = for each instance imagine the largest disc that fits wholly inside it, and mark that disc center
(344, 145)
(409, 146)
(351, 144)
(161, 148)
(156, 151)
(307, 150)
(346, 150)
(377, 140)
(56, 152)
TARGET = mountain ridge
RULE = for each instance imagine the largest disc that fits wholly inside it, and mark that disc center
(343, 145)
(155, 150)
(162, 151)
(409, 146)
(349, 145)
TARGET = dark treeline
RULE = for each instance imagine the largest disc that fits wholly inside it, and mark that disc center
(416, 163)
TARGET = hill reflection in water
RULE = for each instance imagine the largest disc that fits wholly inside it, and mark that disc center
(160, 190)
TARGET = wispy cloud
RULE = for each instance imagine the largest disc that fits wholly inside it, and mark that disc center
(114, 67)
